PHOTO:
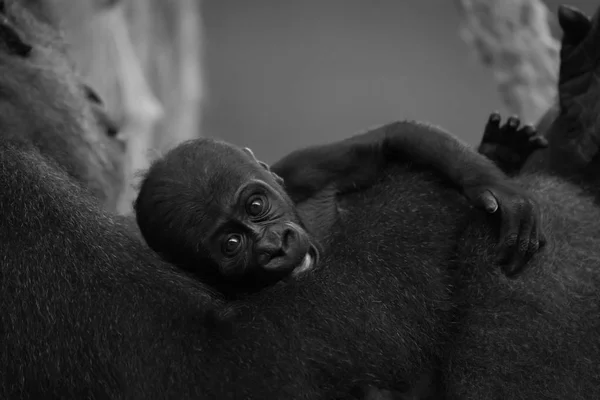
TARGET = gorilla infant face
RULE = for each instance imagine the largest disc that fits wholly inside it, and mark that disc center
(257, 233)
(214, 209)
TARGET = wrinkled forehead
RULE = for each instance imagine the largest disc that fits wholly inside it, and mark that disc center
(225, 177)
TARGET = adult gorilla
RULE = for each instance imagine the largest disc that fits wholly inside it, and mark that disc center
(500, 348)
(572, 125)
(89, 312)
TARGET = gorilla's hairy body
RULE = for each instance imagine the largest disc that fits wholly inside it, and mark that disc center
(89, 311)
(407, 289)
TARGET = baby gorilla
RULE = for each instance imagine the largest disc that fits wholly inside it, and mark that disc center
(210, 203)
(213, 204)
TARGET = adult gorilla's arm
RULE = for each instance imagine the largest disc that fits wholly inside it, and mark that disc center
(359, 161)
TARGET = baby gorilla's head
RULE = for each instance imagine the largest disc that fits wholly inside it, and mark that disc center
(211, 208)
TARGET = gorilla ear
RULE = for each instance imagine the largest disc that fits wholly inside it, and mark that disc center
(12, 40)
(574, 24)
(249, 152)
(261, 163)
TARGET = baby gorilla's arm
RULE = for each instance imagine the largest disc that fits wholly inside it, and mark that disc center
(357, 163)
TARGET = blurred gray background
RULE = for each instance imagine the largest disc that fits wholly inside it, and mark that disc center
(286, 74)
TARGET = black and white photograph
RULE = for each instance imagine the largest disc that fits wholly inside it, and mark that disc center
(300, 199)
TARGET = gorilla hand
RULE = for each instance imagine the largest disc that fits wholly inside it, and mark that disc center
(520, 233)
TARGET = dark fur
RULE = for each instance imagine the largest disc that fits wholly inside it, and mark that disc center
(316, 176)
(196, 196)
(509, 145)
(88, 311)
(536, 337)
(571, 126)
(558, 299)
(383, 318)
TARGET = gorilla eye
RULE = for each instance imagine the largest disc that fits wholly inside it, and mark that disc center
(232, 244)
(257, 206)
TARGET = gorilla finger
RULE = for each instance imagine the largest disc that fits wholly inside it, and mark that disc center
(527, 240)
(533, 240)
(513, 122)
(507, 250)
(512, 216)
(539, 142)
(527, 249)
(529, 131)
(508, 238)
(517, 260)
(537, 239)
(537, 233)
(516, 265)
(488, 202)
(494, 119)
(513, 267)
(492, 127)
(534, 246)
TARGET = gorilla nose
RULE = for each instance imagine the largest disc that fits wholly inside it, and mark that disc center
(274, 244)
(288, 237)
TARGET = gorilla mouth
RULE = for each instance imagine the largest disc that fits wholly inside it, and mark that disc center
(306, 264)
